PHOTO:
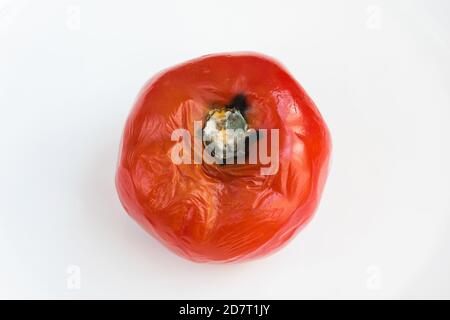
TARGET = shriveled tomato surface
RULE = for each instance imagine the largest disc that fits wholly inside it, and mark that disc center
(222, 213)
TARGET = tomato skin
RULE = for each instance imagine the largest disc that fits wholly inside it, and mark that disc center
(211, 213)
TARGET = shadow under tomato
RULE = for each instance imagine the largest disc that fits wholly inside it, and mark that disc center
(119, 253)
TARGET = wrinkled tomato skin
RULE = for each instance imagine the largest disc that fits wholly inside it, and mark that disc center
(213, 213)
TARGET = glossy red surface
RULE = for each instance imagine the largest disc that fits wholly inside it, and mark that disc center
(230, 212)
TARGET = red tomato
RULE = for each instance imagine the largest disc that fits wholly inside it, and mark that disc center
(229, 212)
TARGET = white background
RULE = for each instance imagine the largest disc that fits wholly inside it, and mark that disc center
(379, 72)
